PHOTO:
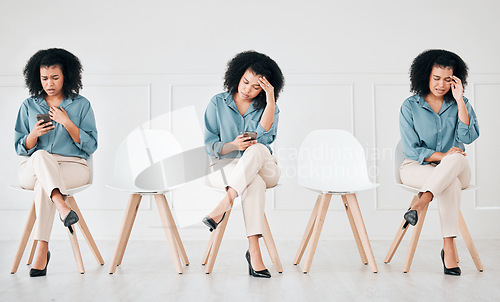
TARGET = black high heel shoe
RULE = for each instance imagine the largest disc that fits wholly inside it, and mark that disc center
(210, 223)
(69, 220)
(454, 271)
(411, 217)
(40, 272)
(259, 274)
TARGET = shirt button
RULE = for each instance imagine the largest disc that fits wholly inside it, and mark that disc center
(439, 143)
(439, 130)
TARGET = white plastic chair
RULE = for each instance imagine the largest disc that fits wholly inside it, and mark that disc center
(73, 239)
(398, 160)
(333, 162)
(143, 158)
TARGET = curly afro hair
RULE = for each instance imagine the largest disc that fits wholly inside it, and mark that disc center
(69, 64)
(260, 64)
(421, 68)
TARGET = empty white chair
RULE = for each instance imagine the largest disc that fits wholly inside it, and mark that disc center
(149, 157)
(333, 162)
(398, 160)
(73, 239)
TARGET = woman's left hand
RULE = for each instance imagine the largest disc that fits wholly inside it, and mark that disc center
(59, 115)
(457, 89)
(268, 88)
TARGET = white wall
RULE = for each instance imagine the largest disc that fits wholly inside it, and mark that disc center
(346, 66)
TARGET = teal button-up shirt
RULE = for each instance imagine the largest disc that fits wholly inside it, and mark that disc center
(58, 140)
(424, 131)
(223, 122)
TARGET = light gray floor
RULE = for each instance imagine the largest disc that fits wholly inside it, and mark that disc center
(337, 274)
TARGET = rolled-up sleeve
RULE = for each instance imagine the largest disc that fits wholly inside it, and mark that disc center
(411, 143)
(213, 144)
(22, 129)
(467, 134)
(268, 137)
(88, 131)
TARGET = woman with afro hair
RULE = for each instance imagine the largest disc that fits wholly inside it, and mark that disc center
(56, 147)
(435, 123)
(240, 125)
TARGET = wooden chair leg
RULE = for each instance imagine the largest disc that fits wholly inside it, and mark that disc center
(76, 251)
(34, 243)
(128, 222)
(318, 225)
(169, 225)
(180, 247)
(85, 230)
(470, 244)
(399, 236)
(414, 239)
(24, 239)
(359, 244)
(204, 260)
(307, 232)
(360, 226)
(271, 246)
(214, 249)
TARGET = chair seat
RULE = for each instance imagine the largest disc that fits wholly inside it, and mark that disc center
(416, 190)
(70, 192)
(344, 189)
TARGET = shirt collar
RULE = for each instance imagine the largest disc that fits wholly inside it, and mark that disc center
(228, 98)
(40, 100)
(424, 104)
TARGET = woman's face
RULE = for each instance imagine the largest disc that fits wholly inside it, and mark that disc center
(52, 80)
(440, 80)
(249, 86)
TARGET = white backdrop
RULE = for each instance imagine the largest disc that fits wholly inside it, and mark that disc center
(345, 63)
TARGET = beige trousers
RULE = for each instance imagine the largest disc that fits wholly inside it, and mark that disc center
(445, 181)
(249, 176)
(43, 172)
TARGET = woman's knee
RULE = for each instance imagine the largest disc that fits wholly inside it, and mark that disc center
(257, 148)
(455, 159)
(39, 154)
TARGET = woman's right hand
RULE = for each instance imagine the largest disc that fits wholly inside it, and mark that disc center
(41, 128)
(241, 142)
(455, 150)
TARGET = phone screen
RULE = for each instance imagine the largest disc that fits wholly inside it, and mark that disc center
(44, 117)
(252, 135)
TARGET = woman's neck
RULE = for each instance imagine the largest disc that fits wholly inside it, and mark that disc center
(54, 100)
(430, 98)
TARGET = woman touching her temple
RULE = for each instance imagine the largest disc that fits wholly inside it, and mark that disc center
(253, 82)
(435, 123)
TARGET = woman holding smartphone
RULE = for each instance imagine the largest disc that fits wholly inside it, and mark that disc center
(55, 151)
(240, 124)
(435, 123)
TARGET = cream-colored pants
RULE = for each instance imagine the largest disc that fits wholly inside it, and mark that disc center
(445, 181)
(43, 172)
(249, 176)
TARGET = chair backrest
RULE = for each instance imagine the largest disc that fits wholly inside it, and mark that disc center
(399, 157)
(140, 150)
(332, 160)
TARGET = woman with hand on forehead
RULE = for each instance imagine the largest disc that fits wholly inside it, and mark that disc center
(435, 123)
(55, 150)
(240, 125)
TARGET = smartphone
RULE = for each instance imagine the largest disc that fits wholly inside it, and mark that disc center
(251, 134)
(44, 117)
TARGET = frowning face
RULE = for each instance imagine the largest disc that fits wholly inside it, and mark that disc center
(52, 80)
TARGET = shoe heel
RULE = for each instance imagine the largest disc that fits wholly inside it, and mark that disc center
(250, 270)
